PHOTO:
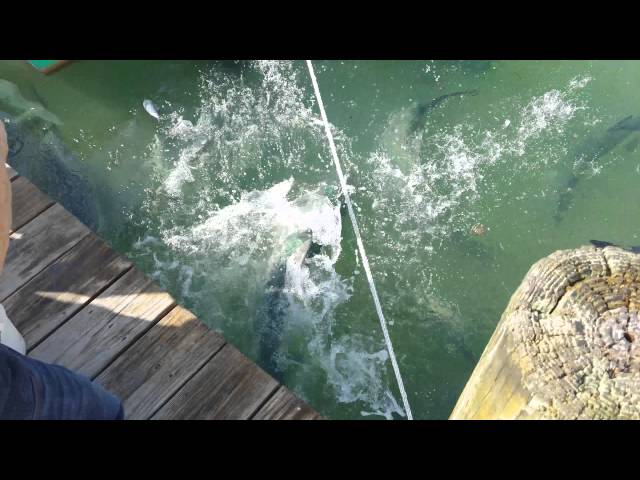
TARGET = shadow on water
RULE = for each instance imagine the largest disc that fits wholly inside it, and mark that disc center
(43, 159)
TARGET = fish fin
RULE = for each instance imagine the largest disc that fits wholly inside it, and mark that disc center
(621, 124)
(601, 243)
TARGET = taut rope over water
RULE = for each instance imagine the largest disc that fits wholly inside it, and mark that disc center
(363, 255)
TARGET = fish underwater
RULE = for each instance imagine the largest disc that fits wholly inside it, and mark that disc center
(603, 243)
(591, 151)
(22, 109)
(37, 152)
(474, 66)
(423, 110)
(151, 109)
(273, 309)
(45, 161)
(470, 246)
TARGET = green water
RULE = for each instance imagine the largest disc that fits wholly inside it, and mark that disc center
(188, 198)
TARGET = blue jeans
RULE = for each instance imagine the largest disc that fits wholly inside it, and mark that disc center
(34, 390)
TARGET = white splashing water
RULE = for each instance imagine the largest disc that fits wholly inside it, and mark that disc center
(223, 239)
(240, 123)
(435, 175)
(220, 241)
(424, 188)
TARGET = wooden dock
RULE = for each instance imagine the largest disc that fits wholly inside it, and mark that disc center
(80, 304)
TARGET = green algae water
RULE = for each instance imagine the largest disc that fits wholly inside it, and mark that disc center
(213, 197)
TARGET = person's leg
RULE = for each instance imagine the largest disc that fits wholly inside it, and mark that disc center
(9, 335)
(30, 389)
(34, 390)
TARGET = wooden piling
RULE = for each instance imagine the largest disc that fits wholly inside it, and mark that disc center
(567, 345)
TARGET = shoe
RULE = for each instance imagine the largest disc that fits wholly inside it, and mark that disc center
(9, 334)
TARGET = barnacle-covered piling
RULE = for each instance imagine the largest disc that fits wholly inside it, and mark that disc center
(567, 345)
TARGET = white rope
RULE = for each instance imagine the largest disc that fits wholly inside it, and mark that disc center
(363, 255)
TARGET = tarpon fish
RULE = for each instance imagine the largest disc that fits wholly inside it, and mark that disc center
(271, 314)
(602, 244)
(38, 97)
(474, 66)
(151, 109)
(424, 109)
(44, 160)
(11, 100)
(592, 150)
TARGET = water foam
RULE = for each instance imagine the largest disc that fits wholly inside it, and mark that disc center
(223, 215)
(434, 176)
(424, 193)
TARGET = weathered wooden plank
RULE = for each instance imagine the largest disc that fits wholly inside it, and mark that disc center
(38, 244)
(48, 66)
(284, 405)
(116, 318)
(63, 288)
(27, 202)
(10, 171)
(229, 386)
(81, 305)
(160, 362)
